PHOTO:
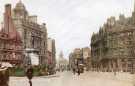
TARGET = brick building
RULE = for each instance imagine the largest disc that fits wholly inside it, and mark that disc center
(11, 49)
(33, 36)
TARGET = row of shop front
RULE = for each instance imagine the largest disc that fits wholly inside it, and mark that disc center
(114, 65)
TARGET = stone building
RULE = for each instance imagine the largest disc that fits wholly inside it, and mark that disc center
(51, 54)
(113, 47)
(80, 56)
(33, 35)
(75, 58)
(11, 50)
(87, 57)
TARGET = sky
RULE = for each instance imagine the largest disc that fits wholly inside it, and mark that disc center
(72, 22)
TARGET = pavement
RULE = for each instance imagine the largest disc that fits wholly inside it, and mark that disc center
(85, 79)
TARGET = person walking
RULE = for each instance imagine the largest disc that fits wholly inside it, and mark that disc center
(29, 74)
(74, 71)
(78, 71)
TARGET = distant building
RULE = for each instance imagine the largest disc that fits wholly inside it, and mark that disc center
(75, 58)
(62, 63)
(113, 47)
(80, 56)
(51, 53)
(87, 57)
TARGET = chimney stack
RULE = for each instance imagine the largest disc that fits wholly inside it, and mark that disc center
(7, 18)
(8, 9)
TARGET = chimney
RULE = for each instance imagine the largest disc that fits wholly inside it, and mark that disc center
(7, 18)
(8, 10)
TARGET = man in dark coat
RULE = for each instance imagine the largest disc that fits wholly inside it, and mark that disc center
(29, 74)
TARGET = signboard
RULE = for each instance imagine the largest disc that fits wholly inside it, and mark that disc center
(34, 58)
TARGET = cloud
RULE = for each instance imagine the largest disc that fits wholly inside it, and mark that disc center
(72, 22)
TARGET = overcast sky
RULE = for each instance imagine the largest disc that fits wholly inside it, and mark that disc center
(72, 22)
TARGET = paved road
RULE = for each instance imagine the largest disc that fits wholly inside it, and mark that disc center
(85, 79)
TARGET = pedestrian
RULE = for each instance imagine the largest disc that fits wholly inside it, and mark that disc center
(74, 71)
(78, 71)
(29, 74)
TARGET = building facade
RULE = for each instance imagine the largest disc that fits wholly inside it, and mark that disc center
(11, 50)
(80, 56)
(87, 57)
(51, 54)
(33, 35)
(113, 47)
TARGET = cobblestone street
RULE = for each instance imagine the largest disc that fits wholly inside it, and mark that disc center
(85, 79)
